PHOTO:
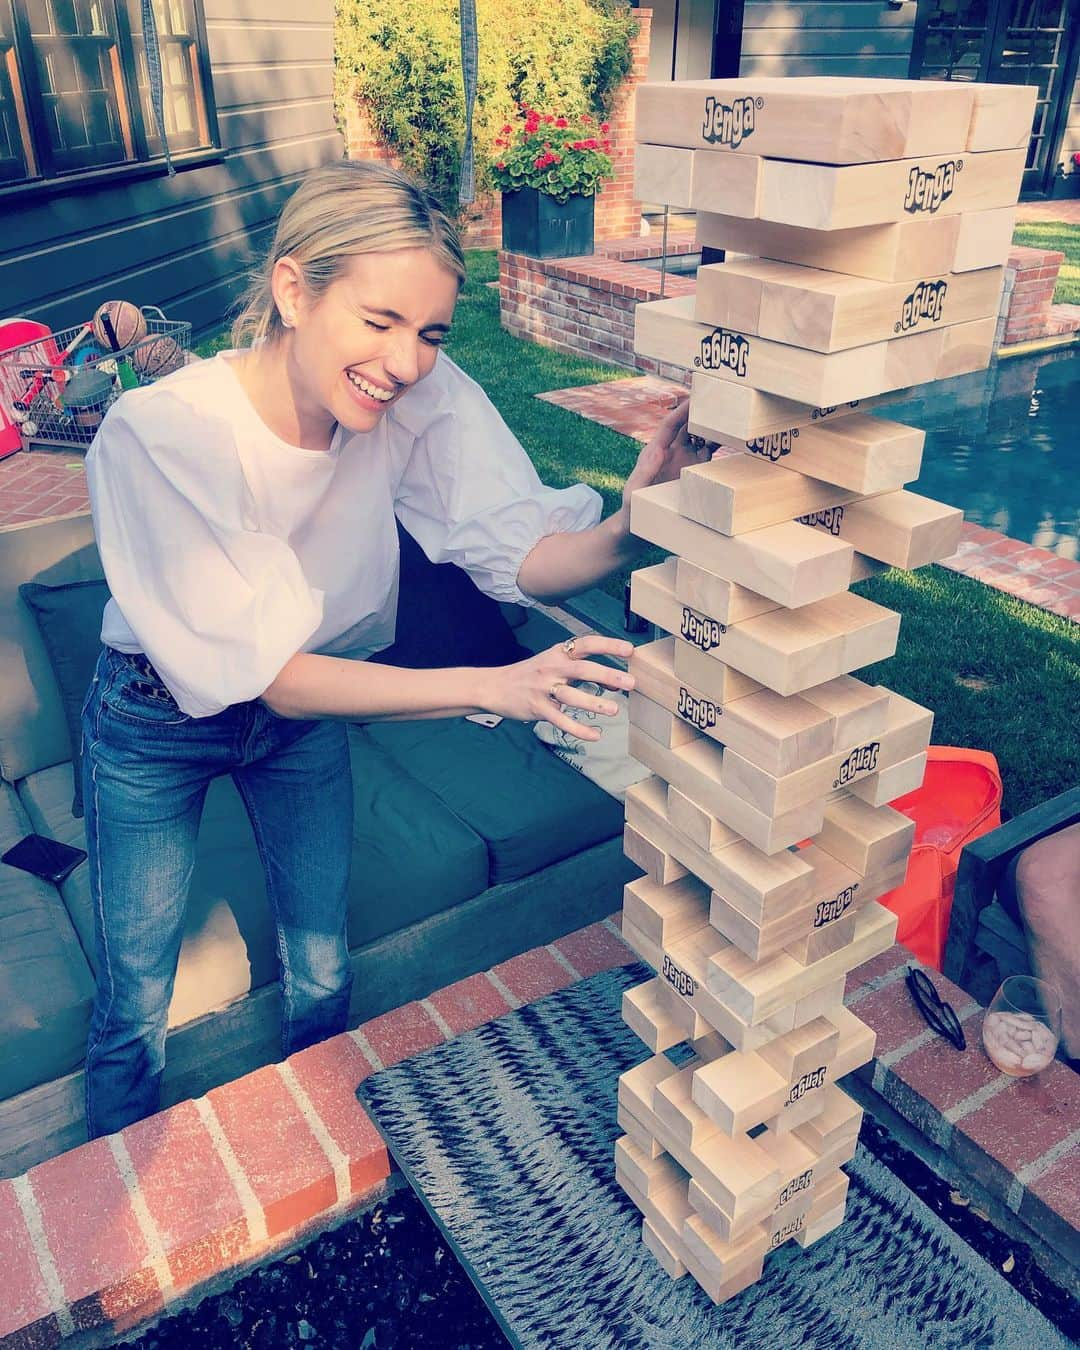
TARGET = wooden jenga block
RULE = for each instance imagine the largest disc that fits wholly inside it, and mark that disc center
(820, 1223)
(653, 664)
(646, 1174)
(732, 413)
(723, 1260)
(702, 830)
(895, 780)
(903, 250)
(659, 722)
(965, 347)
(695, 770)
(704, 1042)
(864, 454)
(667, 1257)
(763, 886)
(674, 1105)
(664, 914)
(857, 1040)
(697, 180)
(835, 1128)
(902, 528)
(825, 197)
(666, 330)
(754, 991)
(647, 1017)
(984, 238)
(783, 562)
(1001, 117)
(738, 493)
(636, 1131)
(864, 838)
(821, 119)
(659, 866)
(734, 1173)
(636, 940)
(717, 596)
(778, 733)
(788, 651)
(803, 1049)
(820, 942)
(907, 733)
(860, 712)
(833, 311)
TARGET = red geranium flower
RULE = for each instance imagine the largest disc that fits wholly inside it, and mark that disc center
(561, 122)
(605, 126)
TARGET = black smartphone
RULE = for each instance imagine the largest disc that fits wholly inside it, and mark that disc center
(44, 857)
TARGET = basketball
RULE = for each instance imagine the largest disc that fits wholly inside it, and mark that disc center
(117, 324)
(156, 357)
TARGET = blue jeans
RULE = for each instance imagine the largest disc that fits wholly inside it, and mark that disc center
(146, 769)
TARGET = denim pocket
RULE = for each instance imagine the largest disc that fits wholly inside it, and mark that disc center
(137, 693)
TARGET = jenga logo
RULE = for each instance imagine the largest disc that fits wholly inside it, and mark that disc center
(819, 414)
(774, 446)
(722, 350)
(703, 632)
(729, 123)
(926, 191)
(678, 979)
(789, 1230)
(701, 712)
(831, 518)
(800, 1183)
(828, 911)
(807, 1083)
(861, 760)
(926, 301)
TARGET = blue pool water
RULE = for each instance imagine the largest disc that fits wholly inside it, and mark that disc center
(1004, 445)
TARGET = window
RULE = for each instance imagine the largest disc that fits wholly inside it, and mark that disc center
(75, 85)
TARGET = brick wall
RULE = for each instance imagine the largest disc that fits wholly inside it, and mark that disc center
(618, 214)
(585, 306)
(1030, 278)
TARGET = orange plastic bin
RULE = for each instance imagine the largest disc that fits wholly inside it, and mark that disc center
(960, 799)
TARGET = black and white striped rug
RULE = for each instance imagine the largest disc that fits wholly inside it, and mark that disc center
(508, 1135)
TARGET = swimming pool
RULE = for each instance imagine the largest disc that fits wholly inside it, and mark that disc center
(1004, 445)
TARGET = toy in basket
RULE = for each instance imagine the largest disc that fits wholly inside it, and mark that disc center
(57, 387)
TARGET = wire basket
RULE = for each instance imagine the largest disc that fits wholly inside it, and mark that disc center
(58, 388)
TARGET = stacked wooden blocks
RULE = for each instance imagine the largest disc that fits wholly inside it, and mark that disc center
(878, 214)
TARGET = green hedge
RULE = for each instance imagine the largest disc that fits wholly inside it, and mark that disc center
(402, 60)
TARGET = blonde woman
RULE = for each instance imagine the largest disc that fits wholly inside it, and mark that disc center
(245, 513)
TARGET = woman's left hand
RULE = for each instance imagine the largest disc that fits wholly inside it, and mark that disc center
(670, 449)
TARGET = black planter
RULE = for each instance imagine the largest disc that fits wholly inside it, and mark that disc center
(536, 224)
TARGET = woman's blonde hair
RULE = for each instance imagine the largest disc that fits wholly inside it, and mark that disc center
(336, 213)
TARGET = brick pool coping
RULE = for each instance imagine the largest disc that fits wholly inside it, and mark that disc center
(114, 1232)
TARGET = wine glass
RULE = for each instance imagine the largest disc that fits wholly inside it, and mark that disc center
(1022, 1026)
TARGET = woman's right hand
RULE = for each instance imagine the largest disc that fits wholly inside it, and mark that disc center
(539, 689)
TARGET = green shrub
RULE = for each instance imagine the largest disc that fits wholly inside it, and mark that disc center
(402, 61)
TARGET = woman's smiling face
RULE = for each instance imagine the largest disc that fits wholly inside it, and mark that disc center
(374, 333)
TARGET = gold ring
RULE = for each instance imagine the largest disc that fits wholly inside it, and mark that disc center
(552, 694)
(568, 646)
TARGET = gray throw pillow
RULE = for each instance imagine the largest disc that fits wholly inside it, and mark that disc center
(69, 621)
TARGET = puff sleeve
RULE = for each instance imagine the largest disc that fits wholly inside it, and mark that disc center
(469, 493)
(217, 606)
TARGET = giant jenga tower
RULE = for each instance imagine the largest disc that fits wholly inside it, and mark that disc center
(878, 214)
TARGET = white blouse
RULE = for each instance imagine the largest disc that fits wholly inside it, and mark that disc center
(227, 550)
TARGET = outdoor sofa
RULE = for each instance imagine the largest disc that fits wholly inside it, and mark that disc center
(471, 844)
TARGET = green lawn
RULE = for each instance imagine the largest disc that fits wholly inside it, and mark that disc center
(1054, 234)
(999, 674)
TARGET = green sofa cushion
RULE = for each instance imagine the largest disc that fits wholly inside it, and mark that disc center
(412, 858)
(69, 621)
(530, 808)
(45, 983)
